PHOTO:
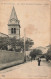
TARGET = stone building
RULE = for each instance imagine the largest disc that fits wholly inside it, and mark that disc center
(14, 25)
(3, 35)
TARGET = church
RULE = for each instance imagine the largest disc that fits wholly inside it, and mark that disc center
(13, 26)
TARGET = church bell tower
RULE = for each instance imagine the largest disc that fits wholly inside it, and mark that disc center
(14, 25)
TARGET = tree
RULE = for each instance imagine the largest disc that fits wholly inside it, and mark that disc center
(28, 43)
(3, 42)
(19, 43)
(35, 52)
(48, 54)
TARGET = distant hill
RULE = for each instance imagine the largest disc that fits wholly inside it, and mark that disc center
(43, 49)
(49, 46)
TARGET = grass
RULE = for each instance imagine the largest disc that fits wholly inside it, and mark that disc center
(10, 56)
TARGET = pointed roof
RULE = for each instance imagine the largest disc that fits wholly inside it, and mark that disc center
(13, 18)
(13, 14)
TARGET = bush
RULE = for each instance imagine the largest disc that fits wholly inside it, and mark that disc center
(48, 54)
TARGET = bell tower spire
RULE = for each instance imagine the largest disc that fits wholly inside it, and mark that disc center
(14, 25)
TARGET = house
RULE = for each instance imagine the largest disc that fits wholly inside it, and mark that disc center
(3, 35)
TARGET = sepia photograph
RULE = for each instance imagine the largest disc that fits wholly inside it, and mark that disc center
(25, 39)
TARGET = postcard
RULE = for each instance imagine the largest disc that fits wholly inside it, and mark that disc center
(25, 39)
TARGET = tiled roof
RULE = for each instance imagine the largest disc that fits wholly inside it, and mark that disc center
(3, 34)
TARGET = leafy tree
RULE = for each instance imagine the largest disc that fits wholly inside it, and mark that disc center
(5, 41)
(35, 52)
(48, 54)
(28, 43)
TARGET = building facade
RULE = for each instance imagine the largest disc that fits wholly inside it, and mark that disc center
(14, 25)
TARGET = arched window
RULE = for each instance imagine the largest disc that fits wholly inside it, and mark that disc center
(14, 30)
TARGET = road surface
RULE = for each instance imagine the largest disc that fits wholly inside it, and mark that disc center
(28, 70)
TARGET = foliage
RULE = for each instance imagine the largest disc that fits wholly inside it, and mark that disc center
(28, 43)
(35, 52)
(48, 54)
(19, 43)
(3, 42)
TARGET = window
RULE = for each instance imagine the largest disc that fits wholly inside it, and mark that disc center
(14, 30)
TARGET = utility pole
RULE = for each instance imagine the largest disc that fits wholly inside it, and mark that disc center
(24, 46)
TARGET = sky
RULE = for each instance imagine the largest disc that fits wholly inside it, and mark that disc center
(34, 17)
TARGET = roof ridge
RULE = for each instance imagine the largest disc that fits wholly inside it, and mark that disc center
(3, 34)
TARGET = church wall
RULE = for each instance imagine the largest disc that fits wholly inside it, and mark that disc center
(17, 31)
(14, 35)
